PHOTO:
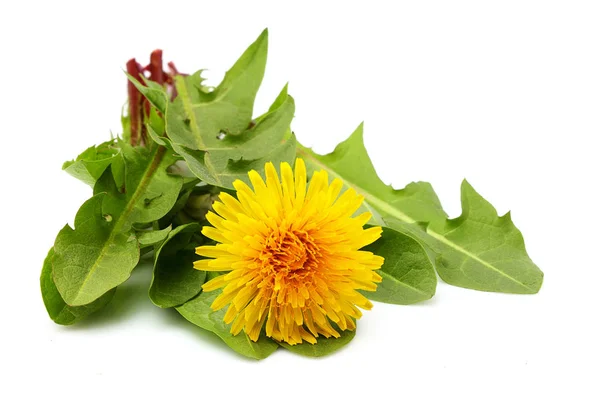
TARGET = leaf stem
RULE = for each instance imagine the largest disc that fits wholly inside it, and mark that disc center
(135, 101)
(156, 67)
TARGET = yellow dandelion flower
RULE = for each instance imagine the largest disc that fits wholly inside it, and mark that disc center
(293, 256)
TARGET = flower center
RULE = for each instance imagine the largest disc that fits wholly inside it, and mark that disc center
(289, 256)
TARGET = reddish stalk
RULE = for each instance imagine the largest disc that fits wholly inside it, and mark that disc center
(156, 67)
(139, 107)
(135, 102)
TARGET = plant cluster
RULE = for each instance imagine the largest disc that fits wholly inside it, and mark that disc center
(184, 144)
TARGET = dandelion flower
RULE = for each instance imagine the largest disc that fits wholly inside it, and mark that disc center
(292, 256)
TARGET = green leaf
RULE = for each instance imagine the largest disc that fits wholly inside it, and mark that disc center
(199, 313)
(158, 139)
(282, 152)
(323, 347)
(279, 101)
(170, 217)
(175, 280)
(94, 257)
(350, 162)
(267, 140)
(150, 191)
(102, 250)
(151, 238)
(254, 143)
(155, 126)
(125, 124)
(213, 130)
(58, 310)
(477, 250)
(92, 163)
(196, 117)
(154, 92)
(408, 273)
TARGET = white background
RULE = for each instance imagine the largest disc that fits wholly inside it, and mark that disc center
(506, 94)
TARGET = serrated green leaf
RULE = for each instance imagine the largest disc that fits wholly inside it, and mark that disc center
(254, 143)
(151, 238)
(93, 258)
(477, 250)
(175, 280)
(196, 118)
(213, 130)
(267, 140)
(92, 163)
(270, 129)
(150, 191)
(480, 250)
(102, 250)
(323, 347)
(59, 311)
(237, 169)
(199, 313)
(408, 273)
(350, 162)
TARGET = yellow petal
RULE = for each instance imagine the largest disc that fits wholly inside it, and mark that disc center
(293, 255)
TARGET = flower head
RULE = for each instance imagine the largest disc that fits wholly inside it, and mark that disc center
(293, 256)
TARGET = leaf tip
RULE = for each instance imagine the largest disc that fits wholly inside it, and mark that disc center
(358, 133)
(467, 192)
(67, 164)
(263, 37)
(466, 186)
(535, 286)
(506, 217)
(132, 78)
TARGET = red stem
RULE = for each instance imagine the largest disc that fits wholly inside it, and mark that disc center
(139, 107)
(135, 101)
(156, 67)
